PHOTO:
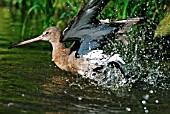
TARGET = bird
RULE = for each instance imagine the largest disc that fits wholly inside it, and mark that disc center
(86, 56)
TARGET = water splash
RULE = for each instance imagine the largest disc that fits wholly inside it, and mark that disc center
(145, 63)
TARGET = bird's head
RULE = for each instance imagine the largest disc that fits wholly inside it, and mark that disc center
(51, 34)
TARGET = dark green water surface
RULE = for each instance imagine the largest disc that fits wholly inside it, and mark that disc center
(31, 83)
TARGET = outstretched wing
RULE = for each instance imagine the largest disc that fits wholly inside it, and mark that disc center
(96, 37)
(84, 20)
(88, 32)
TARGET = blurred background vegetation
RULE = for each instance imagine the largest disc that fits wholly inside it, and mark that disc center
(44, 13)
(33, 16)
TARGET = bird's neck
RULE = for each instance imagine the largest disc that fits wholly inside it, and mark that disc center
(60, 55)
(59, 49)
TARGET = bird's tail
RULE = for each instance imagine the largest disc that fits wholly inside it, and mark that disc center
(125, 26)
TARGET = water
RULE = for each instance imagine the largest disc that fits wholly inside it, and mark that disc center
(31, 83)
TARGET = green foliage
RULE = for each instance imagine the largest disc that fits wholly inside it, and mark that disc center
(163, 28)
(123, 9)
(37, 15)
(41, 14)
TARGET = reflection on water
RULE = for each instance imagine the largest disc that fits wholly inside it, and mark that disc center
(31, 83)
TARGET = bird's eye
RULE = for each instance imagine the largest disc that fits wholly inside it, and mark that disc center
(46, 33)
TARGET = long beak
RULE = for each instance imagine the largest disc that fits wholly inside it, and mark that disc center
(27, 42)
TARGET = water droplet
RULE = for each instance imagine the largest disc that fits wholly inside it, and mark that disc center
(65, 92)
(146, 97)
(156, 101)
(143, 102)
(128, 109)
(146, 111)
(10, 104)
(151, 91)
(79, 98)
